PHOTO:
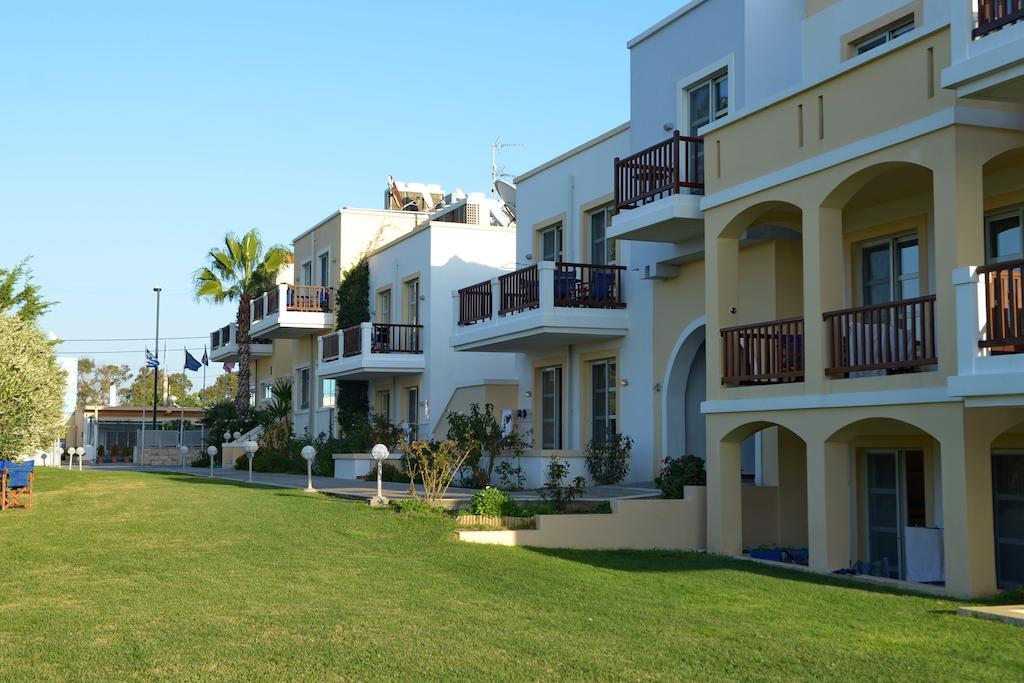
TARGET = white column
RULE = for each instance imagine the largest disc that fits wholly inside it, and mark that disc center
(366, 337)
(970, 317)
(546, 276)
(828, 505)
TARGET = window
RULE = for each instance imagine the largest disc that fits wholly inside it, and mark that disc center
(551, 407)
(328, 391)
(307, 273)
(265, 391)
(384, 307)
(878, 38)
(384, 404)
(603, 391)
(602, 249)
(412, 302)
(303, 387)
(325, 270)
(708, 101)
(412, 410)
(890, 270)
(1004, 237)
(551, 243)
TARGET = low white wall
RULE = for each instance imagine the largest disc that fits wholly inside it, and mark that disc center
(535, 469)
(651, 524)
(351, 465)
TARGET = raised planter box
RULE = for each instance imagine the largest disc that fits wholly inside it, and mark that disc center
(496, 522)
(358, 465)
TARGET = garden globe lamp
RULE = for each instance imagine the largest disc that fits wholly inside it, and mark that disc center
(308, 452)
(58, 453)
(184, 454)
(250, 451)
(43, 455)
(212, 452)
(79, 452)
(379, 455)
(237, 435)
(227, 436)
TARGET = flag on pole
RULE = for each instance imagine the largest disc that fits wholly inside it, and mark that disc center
(151, 360)
(228, 367)
(191, 363)
(206, 357)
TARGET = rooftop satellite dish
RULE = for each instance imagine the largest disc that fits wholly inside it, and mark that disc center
(506, 190)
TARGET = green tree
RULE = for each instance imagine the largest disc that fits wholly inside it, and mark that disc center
(140, 393)
(224, 387)
(352, 396)
(31, 388)
(94, 382)
(19, 296)
(241, 271)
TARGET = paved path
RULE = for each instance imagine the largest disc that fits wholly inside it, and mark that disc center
(357, 489)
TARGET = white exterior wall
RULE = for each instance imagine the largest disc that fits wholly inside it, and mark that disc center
(565, 187)
(447, 256)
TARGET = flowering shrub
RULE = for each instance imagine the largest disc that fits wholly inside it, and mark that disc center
(687, 470)
(608, 463)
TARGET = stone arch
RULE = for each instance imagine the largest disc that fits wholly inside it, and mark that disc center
(848, 188)
(680, 388)
(772, 212)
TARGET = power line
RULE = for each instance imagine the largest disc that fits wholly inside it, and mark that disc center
(114, 339)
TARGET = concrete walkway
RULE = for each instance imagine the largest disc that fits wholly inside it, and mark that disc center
(1008, 614)
(357, 489)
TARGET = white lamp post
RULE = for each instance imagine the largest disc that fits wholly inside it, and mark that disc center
(308, 452)
(59, 453)
(250, 451)
(212, 452)
(237, 435)
(184, 454)
(227, 436)
(79, 452)
(379, 453)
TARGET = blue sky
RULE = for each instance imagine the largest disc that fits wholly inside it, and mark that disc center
(136, 134)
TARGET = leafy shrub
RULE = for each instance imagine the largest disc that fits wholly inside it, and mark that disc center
(31, 387)
(608, 463)
(100, 452)
(555, 492)
(483, 436)
(492, 501)
(687, 470)
(511, 476)
(389, 473)
(412, 506)
(226, 417)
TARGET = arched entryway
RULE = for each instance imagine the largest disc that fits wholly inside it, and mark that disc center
(685, 387)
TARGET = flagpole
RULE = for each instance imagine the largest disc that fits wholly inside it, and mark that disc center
(156, 350)
(202, 423)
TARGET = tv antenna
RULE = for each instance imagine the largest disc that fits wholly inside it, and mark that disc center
(498, 172)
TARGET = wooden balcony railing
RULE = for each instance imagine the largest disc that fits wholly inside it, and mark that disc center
(520, 290)
(311, 298)
(891, 337)
(330, 347)
(475, 303)
(587, 285)
(995, 14)
(215, 340)
(395, 338)
(259, 308)
(765, 353)
(351, 341)
(662, 169)
(1004, 307)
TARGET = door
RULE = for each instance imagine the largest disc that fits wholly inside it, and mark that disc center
(1008, 498)
(885, 524)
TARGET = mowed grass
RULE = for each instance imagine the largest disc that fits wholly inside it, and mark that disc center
(118, 575)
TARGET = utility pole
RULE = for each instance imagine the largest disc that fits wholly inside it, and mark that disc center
(156, 350)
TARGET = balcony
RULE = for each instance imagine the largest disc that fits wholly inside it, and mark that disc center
(224, 345)
(545, 305)
(658, 190)
(292, 311)
(989, 330)
(888, 338)
(764, 353)
(988, 51)
(371, 350)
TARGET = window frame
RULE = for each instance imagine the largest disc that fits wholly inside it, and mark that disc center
(896, 277)
(302, 386)
(607, 244)
(412, 409)
(609, 396)
(412, 301)
(306, 273)
(990, 218)
(324, 404)
(384, 306)
(886, 34)
(555, 372)
(711, 82)
(558, 231)
(323, 260)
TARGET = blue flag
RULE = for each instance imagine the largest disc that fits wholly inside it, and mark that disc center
(151, 360)
(190, 361)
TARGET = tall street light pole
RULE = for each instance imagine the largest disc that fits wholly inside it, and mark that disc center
(156, 350)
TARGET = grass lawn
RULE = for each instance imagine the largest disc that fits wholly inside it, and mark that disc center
(120, 575)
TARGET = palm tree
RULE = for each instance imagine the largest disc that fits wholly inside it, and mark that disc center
(241, 271)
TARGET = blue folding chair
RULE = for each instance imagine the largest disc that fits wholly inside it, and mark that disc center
(16, 481)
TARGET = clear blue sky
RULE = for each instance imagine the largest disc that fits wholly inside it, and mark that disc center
(135, 134)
